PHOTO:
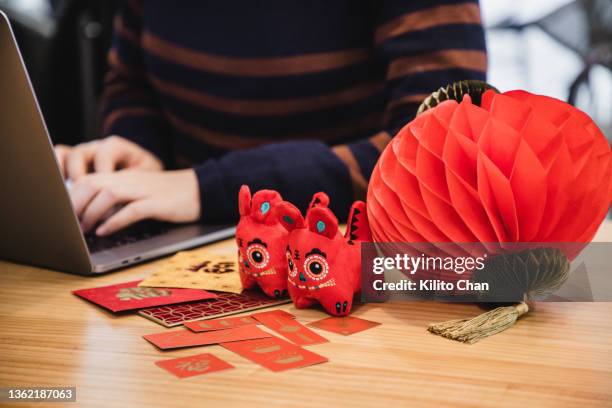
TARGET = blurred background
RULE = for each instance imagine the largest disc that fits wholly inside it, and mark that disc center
(561, 48)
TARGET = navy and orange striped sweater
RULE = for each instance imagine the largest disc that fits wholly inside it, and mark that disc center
(294, 95)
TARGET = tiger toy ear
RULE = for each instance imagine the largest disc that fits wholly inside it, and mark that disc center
(319, 199)
(288, 215)
(244, 200)
(322, 221)
(261, 206)
(357, 226)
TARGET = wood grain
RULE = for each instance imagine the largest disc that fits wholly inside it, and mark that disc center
(558, 356)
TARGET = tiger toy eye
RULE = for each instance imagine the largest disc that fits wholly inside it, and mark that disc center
(315, 268)
(257, 256)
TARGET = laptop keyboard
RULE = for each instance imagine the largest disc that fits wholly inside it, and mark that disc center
(137, 232)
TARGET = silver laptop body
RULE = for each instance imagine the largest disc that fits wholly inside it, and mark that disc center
(37, 223)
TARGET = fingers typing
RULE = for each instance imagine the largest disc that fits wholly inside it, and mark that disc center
(79, 160)
(103, 202)
(61, 153)
(131, 213)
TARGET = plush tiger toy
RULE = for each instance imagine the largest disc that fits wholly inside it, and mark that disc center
(323, 266)
(262, 240)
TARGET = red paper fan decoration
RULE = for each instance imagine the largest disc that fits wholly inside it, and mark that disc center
(519, 168)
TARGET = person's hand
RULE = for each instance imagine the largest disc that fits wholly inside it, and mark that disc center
(167, 196)
(104, 156)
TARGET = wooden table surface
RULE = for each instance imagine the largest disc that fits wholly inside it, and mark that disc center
(558, 356)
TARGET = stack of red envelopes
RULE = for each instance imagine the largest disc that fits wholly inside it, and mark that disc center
(196, 309)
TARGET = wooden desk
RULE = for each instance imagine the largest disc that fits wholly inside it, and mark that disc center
(558, 356)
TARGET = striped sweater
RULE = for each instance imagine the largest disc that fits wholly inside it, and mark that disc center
(294, 95)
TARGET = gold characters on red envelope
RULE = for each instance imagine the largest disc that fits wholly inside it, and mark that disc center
(139, 292)
(201, 365)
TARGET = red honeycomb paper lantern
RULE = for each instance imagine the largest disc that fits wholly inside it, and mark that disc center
(519, 168)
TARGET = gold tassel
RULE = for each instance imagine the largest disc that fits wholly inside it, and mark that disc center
(482, 326)
(529, 274)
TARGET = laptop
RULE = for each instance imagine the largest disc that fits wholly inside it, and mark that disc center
(38, 225)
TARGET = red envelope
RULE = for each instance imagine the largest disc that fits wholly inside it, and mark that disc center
(275, 354)
(187, 338)
(219, 324)
(130, 296)
(344, 325)
(194, 365)
(289, 328)
(274, 313)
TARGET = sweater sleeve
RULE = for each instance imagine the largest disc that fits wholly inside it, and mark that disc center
(128, 105)
(424, 44)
